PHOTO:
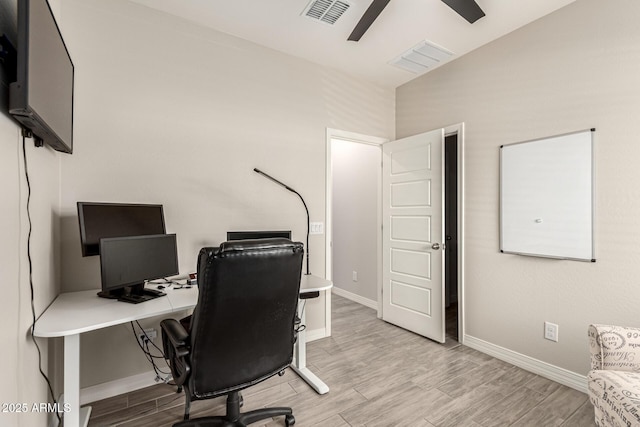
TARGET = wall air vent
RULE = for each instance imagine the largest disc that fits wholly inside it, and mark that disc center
(327, 11)
(422, 57)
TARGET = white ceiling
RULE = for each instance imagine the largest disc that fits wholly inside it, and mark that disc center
(279, 24)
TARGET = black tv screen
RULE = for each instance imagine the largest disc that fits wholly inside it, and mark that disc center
(41, 98)
(102, 220)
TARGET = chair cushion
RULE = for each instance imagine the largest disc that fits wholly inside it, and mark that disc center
(616, 397)
(615, 348)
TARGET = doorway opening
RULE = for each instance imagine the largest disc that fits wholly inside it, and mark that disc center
(451, 235)
(355, 193)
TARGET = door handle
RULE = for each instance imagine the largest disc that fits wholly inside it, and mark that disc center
(435, 246)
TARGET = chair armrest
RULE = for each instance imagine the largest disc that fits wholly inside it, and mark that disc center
(175, 332)
(614, 348)
(175, 341)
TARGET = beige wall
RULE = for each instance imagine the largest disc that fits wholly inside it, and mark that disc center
(169, 112)
(22, 382)
(575, 69)
(356, 186)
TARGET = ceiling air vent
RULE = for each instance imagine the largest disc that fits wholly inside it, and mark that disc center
(422, 57)
(327, 11)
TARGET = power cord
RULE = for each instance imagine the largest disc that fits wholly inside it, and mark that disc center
(144, 346)
(171, 282)
(299, 327)
(33, 309)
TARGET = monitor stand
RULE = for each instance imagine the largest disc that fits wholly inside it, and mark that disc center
(133, 294)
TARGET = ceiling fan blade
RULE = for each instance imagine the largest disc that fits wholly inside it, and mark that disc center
(468, 9)
(375, 8)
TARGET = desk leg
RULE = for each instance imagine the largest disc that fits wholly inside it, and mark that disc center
(76, 417)
(299, 365)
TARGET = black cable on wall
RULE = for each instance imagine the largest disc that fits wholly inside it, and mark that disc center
(30, 261)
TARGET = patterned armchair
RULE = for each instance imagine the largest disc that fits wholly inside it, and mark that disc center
(614, 379)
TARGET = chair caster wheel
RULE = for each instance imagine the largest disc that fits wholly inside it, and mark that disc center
(289, 420)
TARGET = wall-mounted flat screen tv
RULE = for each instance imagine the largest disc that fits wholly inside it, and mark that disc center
(41, 98)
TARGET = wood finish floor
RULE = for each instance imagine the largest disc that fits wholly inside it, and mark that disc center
(379, 375)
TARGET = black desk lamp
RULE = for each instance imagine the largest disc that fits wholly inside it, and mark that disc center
(305, 207)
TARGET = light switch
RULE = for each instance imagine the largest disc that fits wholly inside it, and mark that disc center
(316, 228)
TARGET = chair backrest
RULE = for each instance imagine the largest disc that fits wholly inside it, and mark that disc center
(242, 329)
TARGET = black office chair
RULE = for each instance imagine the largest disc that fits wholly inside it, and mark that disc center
(242, 329)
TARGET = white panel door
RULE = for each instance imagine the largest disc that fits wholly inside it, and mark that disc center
(413, 230)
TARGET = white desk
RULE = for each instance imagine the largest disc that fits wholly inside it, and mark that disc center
(73, 313)
(308, 284)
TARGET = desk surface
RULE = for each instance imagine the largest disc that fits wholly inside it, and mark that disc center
(78, 312)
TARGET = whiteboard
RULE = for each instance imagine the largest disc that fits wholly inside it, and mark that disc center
(547, 197)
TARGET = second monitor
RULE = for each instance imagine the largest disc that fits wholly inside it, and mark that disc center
(99, 220)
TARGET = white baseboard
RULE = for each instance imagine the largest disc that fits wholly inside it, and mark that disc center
(355, 298)
(316, 334)
(544, 369)
(117, 387)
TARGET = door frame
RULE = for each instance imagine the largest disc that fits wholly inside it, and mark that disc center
(367, 139)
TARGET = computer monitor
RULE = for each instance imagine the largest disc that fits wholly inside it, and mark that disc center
(245, 235)
(100, 220)
(126, 263)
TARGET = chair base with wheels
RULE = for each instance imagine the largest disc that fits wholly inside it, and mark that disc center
(236, 419)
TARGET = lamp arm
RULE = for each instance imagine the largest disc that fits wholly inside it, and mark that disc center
(308, 225)
(303, 202)
(276, 181)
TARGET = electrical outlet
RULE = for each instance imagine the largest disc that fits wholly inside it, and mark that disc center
(151, 334)
(551, 331)
(354, 276)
